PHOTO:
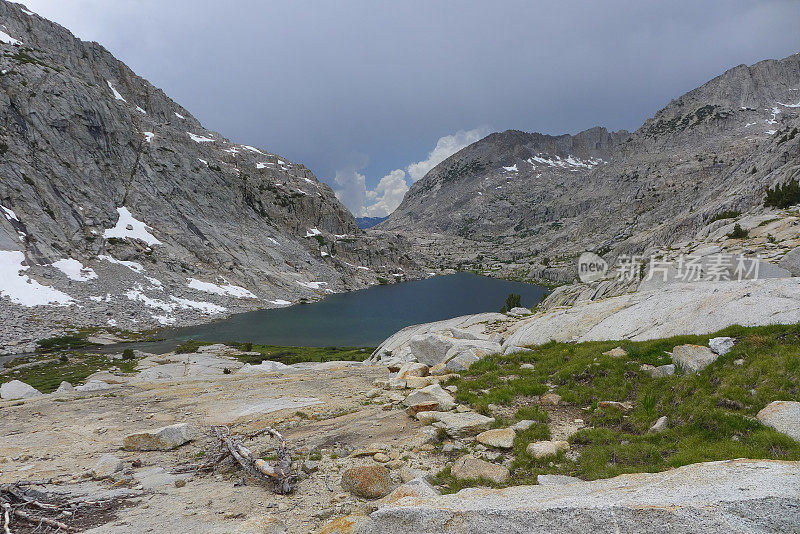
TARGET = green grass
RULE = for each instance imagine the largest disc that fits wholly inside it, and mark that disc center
(290, 355)
(711, 413)
(286, 355)
(53, 344)
(74, 367)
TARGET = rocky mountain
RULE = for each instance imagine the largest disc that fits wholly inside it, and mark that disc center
(532, 201)
(119, 207)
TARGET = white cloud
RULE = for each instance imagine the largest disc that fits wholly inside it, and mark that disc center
(351, 190)
(391, 189)
(445, 147)
(388, 194)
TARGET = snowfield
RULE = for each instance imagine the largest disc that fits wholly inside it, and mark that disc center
(21, 289)
(128, 227)
(74, 270)
(227, 290)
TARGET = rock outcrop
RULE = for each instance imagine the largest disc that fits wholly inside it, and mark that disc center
(739, 496)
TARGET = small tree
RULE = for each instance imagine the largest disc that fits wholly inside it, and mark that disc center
(738, 232)
(783, 196)
(512, 301)
(128, 354)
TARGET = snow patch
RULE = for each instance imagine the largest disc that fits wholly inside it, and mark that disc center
(228, 289)
(252, 149)
(129, 228)
(311, 232)
(116, 93)
(204, 162)
(10, 215)
(7, 39)
(132, 265)
(179, 115)
(570, 161)
(312, 285)
(205, 307)
(74, 270)
(771, 132)
(280, 302)
(140, 110)
(148, 136)
(790, 105)
(22, 289)
(199, 138)
(513, 168)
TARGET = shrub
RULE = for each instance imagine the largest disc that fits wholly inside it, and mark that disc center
(127, 354)
(783, 196)
(727, 214)
(738, 232)
(512, 301)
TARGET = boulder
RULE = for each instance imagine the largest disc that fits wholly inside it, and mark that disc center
(525, 424)
(721, 345)
(367, 481)
(428, 406)
(459, 425)
(416, 487)
(16, 389)
(550, 399)
(502, 438)
(783, 416)
(410, 369)
(93, 385)
(660, 425)
(660, 371)
(693, 358)
(471, 468)
(543, 449)
(519, 312)
(163, 439)
(417, 382)
(791, 261)
(65, 387)
(106, 466)
(514, 349)
(735, 497)
(616, 353)
(432, 393)
(463, 360)
(430, 349)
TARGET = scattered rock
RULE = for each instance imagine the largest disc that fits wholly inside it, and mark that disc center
(550, 399)
(660, 371)
(471, 468)
(458, 425)
(618, 352)
(179, 483)
(721, 345)
(525, 424)
(739, 361)
(428, 406)
(163, 439)
(367, 481)
(502, 438)
(543, 449)
(622, 406)
(17, 389)
(432, 393)
(527, 366)
(310, 466)
(106, 466)
(783, 416)
(693, 358)
(660, 425)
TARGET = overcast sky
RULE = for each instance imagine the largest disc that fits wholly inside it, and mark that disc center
(370, 94)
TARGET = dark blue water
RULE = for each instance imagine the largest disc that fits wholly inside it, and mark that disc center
(365, 317)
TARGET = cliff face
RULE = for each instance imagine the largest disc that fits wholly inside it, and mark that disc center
(522, 197)
(97, 166)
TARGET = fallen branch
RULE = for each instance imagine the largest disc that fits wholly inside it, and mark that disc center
(15, 503)
(280, 474)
